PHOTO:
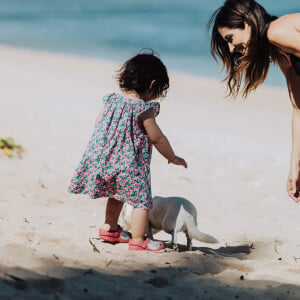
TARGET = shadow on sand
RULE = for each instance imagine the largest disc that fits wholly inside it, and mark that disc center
(173, 275)
(228, 251)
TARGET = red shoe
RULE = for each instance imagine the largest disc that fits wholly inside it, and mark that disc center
(118, 236)
(146, 245)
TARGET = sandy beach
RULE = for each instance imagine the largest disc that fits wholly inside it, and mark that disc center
(238, 154)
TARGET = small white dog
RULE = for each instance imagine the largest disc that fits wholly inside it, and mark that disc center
(173, 214)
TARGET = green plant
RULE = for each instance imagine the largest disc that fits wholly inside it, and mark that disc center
(9, 148)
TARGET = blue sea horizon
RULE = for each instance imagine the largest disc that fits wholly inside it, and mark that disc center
(117, 29)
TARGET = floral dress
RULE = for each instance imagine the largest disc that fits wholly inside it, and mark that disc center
(116, 162)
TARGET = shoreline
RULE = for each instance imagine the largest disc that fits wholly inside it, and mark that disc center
(119, 62)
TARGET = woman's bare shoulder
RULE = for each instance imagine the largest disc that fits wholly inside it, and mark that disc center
(284, 32)
(283, 25)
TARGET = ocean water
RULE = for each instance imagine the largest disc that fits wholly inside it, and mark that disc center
(117, 29)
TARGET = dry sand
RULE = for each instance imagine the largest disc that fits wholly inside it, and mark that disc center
(238, 156)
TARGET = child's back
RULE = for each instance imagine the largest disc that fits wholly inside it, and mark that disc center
(118, 154)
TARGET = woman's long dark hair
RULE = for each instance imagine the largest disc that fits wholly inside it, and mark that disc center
(249, 70)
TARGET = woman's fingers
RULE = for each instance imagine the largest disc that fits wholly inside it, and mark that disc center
(293, 189)
(294, 195)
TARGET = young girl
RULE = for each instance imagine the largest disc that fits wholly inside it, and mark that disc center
(116, 163)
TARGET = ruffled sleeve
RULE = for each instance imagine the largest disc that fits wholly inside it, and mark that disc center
(108, 98)
(155, 106)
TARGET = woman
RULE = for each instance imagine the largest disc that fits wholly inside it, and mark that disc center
(246, 39)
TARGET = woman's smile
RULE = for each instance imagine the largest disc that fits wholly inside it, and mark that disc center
(237, 39)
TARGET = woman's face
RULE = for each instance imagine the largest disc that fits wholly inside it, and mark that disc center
(236, 38)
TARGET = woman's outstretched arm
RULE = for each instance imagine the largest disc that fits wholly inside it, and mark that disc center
(293, 83)
(285, 34)
(293, 183)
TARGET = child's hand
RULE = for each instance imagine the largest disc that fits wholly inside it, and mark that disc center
(178, 161)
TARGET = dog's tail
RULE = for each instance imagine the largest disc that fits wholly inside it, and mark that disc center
(194, 233)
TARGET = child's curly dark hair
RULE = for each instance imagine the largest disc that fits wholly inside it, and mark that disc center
(144, 74)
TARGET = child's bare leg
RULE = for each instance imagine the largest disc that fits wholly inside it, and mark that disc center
(112, 213)
(139, 223)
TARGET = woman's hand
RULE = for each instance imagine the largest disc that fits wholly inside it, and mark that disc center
(293, 185)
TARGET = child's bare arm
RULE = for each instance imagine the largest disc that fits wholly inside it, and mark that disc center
(100, 114)
(159, 140)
